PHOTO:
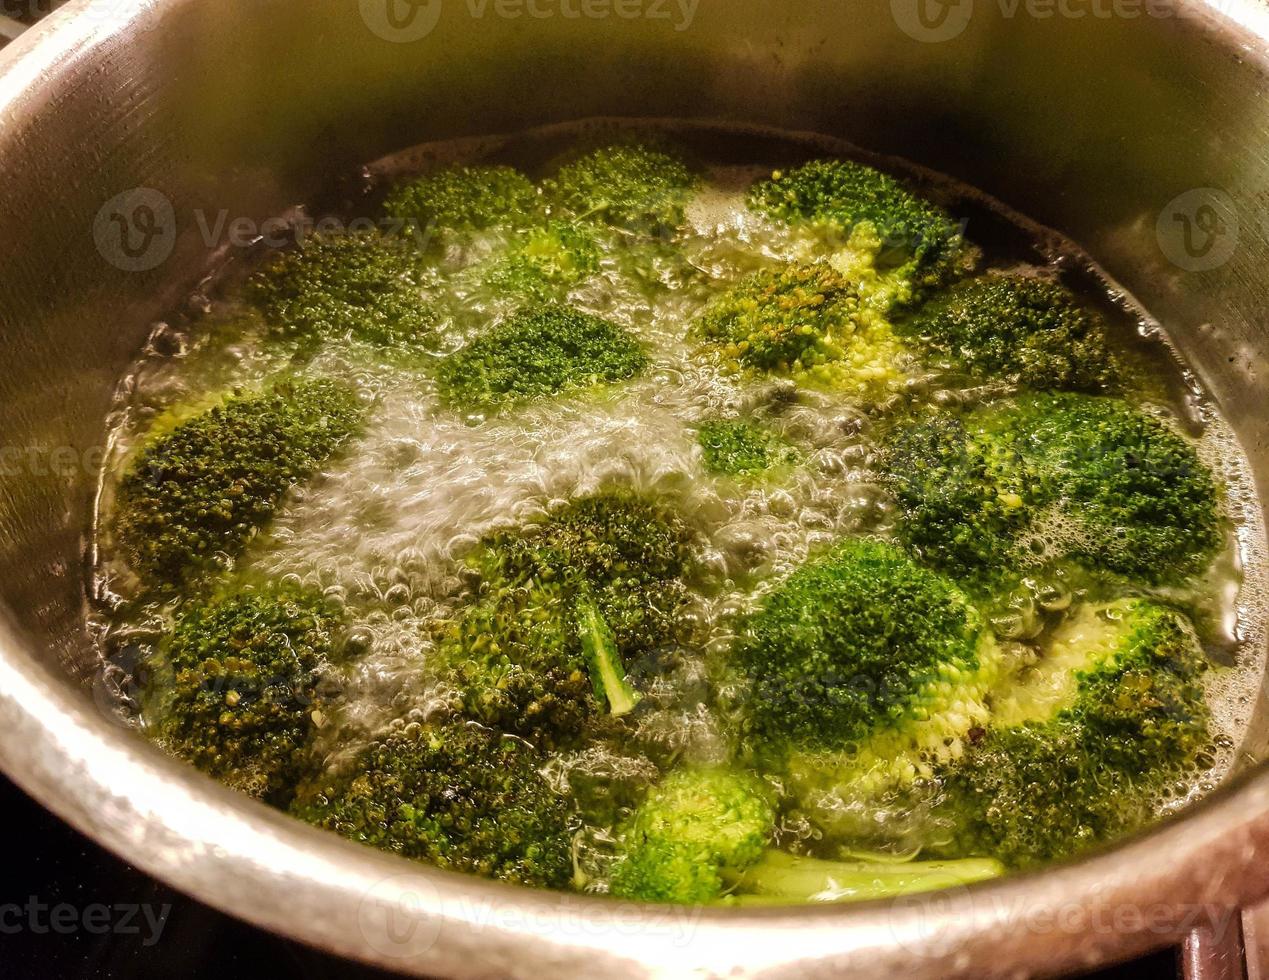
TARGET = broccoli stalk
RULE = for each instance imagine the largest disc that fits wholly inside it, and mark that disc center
(782, 878)
(599, 647)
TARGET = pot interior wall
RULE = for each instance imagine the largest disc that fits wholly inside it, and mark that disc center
(242, 108)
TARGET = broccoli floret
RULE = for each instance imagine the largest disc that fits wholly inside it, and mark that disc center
(806, 321)
(467, 199)
(1047, 477)
(742, 448)
(898, 229)
(239, 688)
(201, 487)
(861, 642)
(963, 487)
(456, 796)
(704, 833)
(537, 354)
(1019, 327)
(633, 187)
(862, 672)
(368, 288)
(1113, 715)
(692, 826)
(1144, 504)
(543, 264)
(565, 605)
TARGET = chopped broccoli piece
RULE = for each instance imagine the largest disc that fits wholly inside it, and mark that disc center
(904, 231)
(201, 487)
(237, 686)
(565, 604)
(742, 448)
(467, 199)
(633, 187)
(368, 288)
(862, 672)
(862, 641)
(537, 354)
(1111, 717)
(806, 321)
(704, 833)
(694, 824)
(456, 796)
(599, 647)
(963, 487)
(544, 263)
(1054, 476)
(1020, 327)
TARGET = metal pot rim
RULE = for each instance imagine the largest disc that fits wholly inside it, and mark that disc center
(250, 861)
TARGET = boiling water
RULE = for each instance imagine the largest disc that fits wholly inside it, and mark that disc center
(384, 529)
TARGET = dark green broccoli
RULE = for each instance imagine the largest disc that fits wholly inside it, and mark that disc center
(536, 354)
(964, 489)
(1083, 745)
(860, 673)
(1018, 327)
(202, 486)
(564, 606)
(703, 834)
(456, 796)
(1046, 477)
(1142, 501)
(368, 288)
(805, 320)
(543, 264)
(467, 199)
(894, 228)
(742, 448)
(242, 683)
(863, 641)
(633, 187)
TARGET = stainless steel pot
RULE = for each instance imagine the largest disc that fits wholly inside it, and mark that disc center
(127, 128)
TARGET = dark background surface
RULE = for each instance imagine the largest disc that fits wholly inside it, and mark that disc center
(55, 864)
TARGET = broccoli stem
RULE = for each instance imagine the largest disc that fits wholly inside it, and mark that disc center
(781, 878)
(602, 657)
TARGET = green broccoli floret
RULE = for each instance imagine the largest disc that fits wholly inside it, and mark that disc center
(202, 486)
(1084, 743)
(537, 354)
(742, 448)
(633, 187)
(692, 826)
(368, 288)
(1143, 503)
(963, 487)
(889, 226)
(543, 264)
(1046, 477)
(241, 684)
(863, 642)
(456, 796)
(467, 199)
(564, 605)
(1019, 327)
(702, 834)
(806, 321)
